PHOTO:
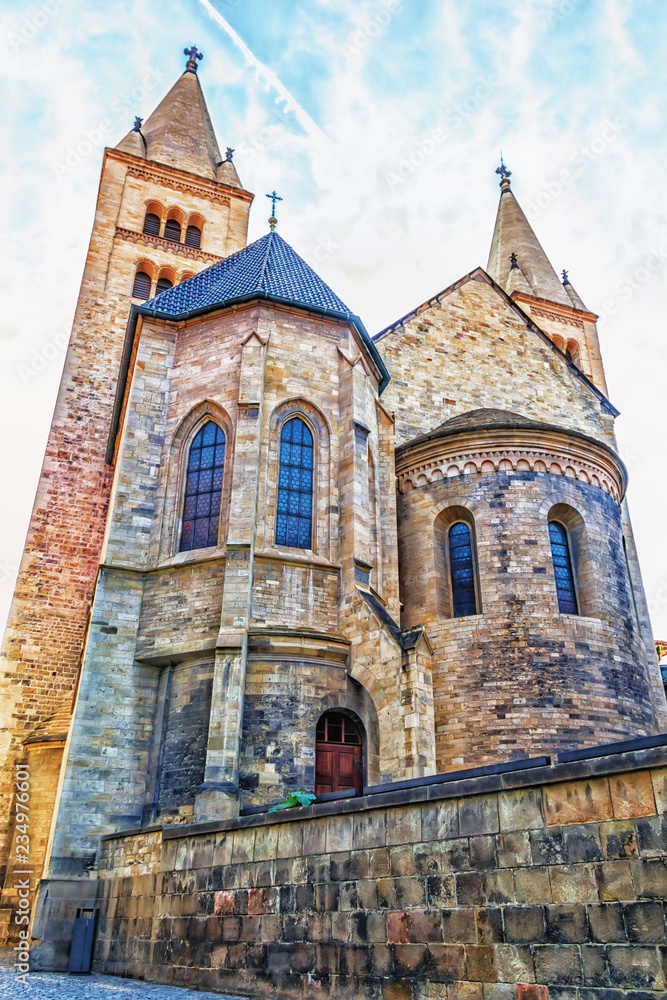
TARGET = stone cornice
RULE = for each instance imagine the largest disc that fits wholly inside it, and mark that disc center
(179, 180)
(496, 450)
(169, 246)
(554, 310)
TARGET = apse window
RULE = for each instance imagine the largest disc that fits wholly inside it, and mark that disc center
(203, 488)
(295, 486)
(462, 570)
(562, 560)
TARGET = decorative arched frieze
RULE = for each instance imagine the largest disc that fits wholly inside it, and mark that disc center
(497, 451)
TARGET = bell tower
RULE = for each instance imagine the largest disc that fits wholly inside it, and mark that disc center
(169, 204)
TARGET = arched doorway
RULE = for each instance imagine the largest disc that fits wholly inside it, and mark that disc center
(338, 754)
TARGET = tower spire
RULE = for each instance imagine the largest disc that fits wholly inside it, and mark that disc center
(179, 132)
(513, 234)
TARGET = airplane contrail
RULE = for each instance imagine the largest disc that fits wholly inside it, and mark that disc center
(291, 104)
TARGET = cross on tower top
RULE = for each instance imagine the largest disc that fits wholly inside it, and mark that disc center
(193, 55)
(504, 173)
(273, 222)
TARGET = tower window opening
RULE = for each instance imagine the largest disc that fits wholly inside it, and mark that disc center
(163, 284)
(152, 224)
(203, 488)
(193, 236)
(142, 285)
(172, 230)
(562, 561)
(462, 570)
(295, 486)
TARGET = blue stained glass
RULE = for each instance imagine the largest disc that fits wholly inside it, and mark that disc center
(201, 508)
(295, 485)
(560, 554)
(462, 571)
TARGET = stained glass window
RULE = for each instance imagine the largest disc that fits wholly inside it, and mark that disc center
(203, 487)
(295, 486)
(560, 553)
(462, 570)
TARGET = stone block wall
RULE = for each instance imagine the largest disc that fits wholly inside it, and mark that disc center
(546, 883)
(519, 676)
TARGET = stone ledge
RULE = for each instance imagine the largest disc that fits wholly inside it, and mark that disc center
(491, 781)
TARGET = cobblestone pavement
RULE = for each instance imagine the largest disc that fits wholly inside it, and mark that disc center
(61, 986)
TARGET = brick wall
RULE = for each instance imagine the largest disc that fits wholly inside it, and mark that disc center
(543, 883)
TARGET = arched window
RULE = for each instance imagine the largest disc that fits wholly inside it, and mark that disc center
(203, 487)
(560, 554)
(163, 284)
(338, 754)
(172, 230)
(294, 521)
(193, 236)
(142, 285)
(152, 224)
(462, 570)
(573, 352)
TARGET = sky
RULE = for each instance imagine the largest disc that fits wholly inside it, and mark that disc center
(380, 123)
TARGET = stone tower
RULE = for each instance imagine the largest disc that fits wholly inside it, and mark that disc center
(171, 171)
(505, 436)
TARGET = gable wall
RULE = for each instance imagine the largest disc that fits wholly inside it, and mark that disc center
(473, 350)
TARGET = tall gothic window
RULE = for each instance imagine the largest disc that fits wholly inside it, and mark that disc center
(462, 570)
(295, 486)
(203, 487)
(560, 553)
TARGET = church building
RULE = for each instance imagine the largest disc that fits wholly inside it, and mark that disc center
(273, 551)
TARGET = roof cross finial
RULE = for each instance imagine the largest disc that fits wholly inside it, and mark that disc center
(273, 222)
(504, 173)
(193, 55)
(566, 280)
(513, 260)
(138, 122)
(229, 153)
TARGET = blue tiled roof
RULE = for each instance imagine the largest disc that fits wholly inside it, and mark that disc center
(268, 267)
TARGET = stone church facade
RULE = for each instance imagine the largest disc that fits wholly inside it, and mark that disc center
(270, 552)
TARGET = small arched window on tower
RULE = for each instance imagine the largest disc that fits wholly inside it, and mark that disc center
(193, 236)
(573, 352)
(163, 284)
(172, 230)
(203, 488)
(563, 572)
(462, 570)
(294, 519)
(142, 285)
(152, 224)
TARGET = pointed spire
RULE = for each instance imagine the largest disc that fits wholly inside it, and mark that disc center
(514, 234)
(179, 132)
(516, 281)
(575, 298)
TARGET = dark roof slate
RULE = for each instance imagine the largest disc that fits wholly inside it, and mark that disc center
(268, 267)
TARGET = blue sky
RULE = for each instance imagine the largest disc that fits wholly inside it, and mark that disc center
(380, 124)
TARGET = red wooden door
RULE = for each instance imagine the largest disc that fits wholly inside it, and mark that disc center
(338, 755)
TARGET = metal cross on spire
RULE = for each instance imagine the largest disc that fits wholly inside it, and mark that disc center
(193, 55)
(273, 222)
(503, 172)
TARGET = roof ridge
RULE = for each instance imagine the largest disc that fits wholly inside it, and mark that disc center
(265, 262)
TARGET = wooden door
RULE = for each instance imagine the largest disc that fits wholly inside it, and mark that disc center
(338, 755)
